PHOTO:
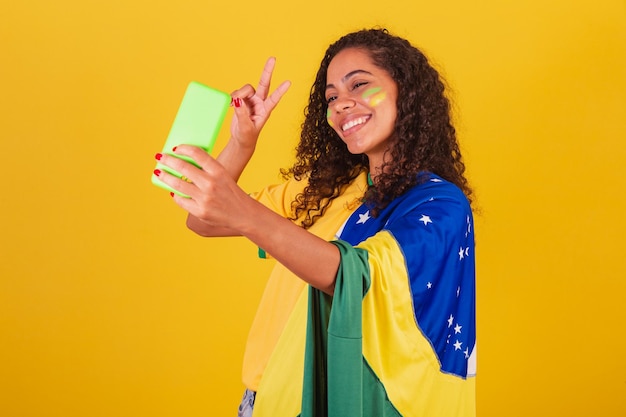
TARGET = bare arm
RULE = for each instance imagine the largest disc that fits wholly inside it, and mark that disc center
(311, 258)
(217, 201)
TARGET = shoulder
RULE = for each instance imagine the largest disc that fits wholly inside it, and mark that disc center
(431, 191)
(435, 209)
(433, 186)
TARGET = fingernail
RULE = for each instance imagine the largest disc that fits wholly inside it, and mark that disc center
(232, 101)
(237, 102)
(158, 156)
(174, 148)
(157, 172)
(171, 194)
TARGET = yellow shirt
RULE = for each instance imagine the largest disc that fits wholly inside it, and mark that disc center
(283, 288)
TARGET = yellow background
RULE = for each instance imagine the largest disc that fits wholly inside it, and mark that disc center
(110, 307)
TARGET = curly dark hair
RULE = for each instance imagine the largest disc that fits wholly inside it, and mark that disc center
(425, 137)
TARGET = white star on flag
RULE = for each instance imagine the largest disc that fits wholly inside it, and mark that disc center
(457, 329)
(461, 253)
(425, 219)
(364, 217)
(457, 345)
(429, 285)
(450, 320)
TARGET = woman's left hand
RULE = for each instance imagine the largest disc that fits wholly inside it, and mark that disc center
(253, 107)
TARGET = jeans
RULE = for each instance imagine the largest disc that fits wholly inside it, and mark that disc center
(247, 404)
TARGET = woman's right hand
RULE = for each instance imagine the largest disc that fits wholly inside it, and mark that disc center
(253, 107)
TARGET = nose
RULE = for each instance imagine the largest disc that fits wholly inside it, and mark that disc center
(343, 104)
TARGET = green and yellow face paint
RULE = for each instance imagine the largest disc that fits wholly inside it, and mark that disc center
(329, 113)
(374, 96)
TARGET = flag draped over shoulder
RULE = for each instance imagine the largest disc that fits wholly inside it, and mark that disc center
(398, 336)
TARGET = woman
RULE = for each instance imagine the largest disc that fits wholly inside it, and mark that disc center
(375, 217)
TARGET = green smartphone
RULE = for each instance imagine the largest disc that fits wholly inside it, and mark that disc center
(197, 122)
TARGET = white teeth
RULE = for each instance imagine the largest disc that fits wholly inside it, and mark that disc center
(353, 123)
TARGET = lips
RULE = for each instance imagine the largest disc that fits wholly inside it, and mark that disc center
(354, 122)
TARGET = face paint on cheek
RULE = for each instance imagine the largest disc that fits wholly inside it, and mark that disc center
(328, 114)
(370, 92)
(376, 99)
(374, 96)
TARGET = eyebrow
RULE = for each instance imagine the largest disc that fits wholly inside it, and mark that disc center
(348, 75)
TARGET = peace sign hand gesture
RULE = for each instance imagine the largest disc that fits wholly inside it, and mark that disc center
(253, 107)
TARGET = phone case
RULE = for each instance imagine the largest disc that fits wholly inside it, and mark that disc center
(197, 122)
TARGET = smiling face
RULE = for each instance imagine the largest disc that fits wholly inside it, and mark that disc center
(361, 101)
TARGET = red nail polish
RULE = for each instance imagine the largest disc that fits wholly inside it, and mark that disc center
(174, 148)
(158, 156)
(157, 172)
(171, 194)
(237, 102)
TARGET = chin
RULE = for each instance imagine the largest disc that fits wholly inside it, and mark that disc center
(355, 150)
